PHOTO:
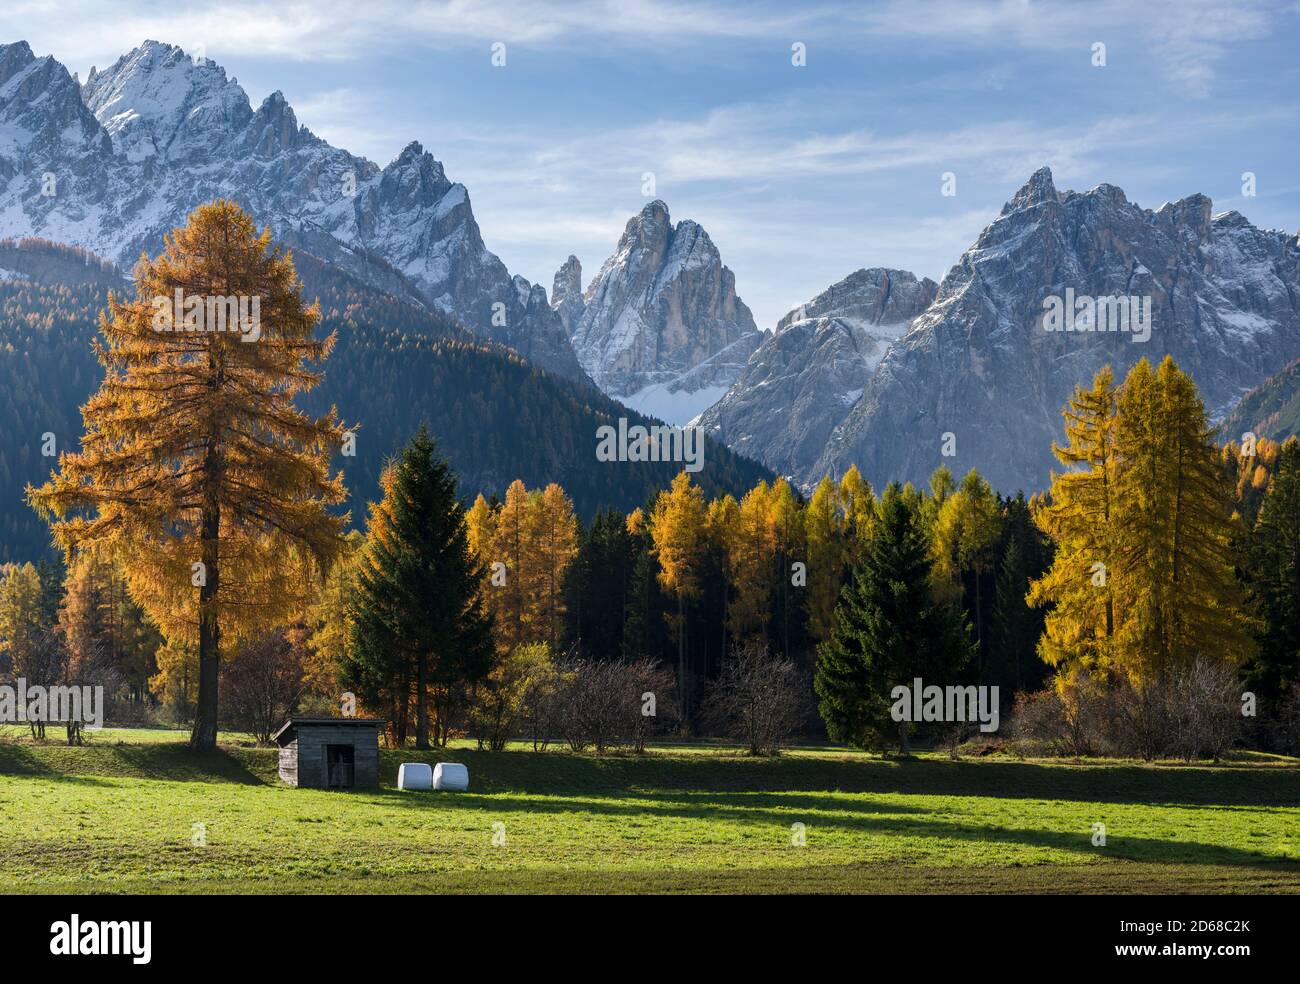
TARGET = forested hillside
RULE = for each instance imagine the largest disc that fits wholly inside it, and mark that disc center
(1270, 410)
(47, 368)
(493, 414)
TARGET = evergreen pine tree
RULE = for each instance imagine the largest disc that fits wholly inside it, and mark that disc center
(420, 634)
(1016, 627)
(598, 584)
(890, 628)
(645, 624)
(1274, 574)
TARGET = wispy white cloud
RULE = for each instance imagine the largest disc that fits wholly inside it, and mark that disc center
(1189, 38)
(800, 180)
(814, 206)
(83, 31)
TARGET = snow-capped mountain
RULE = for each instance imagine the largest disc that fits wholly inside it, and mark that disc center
(660, 327)
(114, 164)
(993, 359)
(807, 375)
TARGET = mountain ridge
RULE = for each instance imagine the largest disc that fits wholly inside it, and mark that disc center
(136, 147)
(982, 364)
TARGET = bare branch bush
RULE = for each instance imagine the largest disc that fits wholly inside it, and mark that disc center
(262, 684)
(759, 698)
(604, 705)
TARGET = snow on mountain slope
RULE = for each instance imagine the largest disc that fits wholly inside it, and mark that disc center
(660, 326)
(807, 375)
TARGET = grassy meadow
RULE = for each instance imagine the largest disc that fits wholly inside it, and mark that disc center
(119, 815)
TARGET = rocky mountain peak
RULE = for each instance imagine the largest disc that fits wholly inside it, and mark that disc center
(805, 378)
(1038, 190)
(644, 242)
(651, 223)
(1192, 213)
(157, 101)
(568, 280)
(274, 128)
(14, 58)
(41, 109)
(566, 293)
(661, 326)
(416, 179)
(983, 364)
(872, 296)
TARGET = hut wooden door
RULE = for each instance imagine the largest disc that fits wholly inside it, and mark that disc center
(339, 764)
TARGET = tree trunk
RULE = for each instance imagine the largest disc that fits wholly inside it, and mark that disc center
(422, 701)
(204, 735)
(904, 745)
(681, 657)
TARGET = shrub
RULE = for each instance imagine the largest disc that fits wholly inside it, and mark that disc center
(649, 690)
(759, 699)
(1038, 723)
(1203, 710)
(1072, 718)
(603, 705)
(500, 705)
(1192, 711)
(263, 682)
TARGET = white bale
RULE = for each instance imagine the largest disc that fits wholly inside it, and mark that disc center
(450, 776)
(414, 775)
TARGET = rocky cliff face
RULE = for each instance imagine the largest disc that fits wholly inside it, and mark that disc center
(158, 133)
(801, 383)
(566, 294)
(995, 356)
(660, 326)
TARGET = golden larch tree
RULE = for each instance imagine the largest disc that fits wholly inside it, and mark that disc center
(825, 531)
(555, 532)
(677, 528)
(196, 469)
(1173, 531)
(1080, 627)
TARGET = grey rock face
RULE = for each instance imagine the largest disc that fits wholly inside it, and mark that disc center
(981, 364)
(661, 327)
(147, 140)
(805, 378)
(566, 294)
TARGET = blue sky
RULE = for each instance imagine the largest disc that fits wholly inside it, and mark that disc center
(800, 174)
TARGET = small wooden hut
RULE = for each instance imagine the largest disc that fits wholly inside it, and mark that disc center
(330, 753)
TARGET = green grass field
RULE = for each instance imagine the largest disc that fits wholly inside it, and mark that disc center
(118, 815)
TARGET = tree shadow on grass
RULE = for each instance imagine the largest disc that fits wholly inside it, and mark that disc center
(172, 763)
(772, 808)
(544, 773)
(823, 812)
